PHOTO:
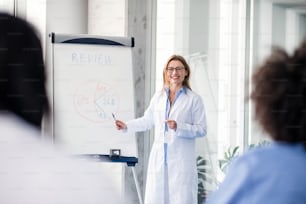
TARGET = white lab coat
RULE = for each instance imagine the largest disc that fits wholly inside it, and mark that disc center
(189, 113)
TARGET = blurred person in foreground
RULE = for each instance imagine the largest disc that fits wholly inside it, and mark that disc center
(273, 174)
(32, 171)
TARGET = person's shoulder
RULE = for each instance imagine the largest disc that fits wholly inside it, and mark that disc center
(275, 147)
(159, 94)
(251, 157)
(257, 152)
(189, 91)
(269, 152)
(192, 94)
(56, 171)
(291, 152)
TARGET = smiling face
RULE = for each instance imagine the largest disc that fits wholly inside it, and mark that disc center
(175, 73)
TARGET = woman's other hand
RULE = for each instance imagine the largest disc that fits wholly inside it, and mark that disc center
(171, 124)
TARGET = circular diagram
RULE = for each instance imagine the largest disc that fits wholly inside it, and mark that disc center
(96, 101)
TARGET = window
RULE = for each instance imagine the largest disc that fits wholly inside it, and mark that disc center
(274, 23)
(211, 36)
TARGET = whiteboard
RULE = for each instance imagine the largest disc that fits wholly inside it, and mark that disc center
(92, 78)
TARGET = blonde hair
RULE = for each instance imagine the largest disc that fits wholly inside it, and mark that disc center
(186, 66)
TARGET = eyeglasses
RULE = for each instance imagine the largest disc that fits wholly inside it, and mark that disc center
(171, 69)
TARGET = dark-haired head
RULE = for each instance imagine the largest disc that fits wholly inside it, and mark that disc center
(22, 72)
(279, 95)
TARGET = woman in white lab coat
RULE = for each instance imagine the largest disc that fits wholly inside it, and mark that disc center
(178, 115)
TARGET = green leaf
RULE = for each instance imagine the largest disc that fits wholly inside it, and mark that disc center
(235, 151)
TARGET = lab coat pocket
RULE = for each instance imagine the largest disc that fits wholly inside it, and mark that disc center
(169, 136)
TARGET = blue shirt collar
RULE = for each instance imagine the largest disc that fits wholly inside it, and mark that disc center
(181, 90)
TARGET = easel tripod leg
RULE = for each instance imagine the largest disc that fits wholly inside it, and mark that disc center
(137, 186)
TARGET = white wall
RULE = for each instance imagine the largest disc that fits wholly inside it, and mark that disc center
(69, 16)
(278, 26)
(292, 30)
(107, 18)
(7, 6)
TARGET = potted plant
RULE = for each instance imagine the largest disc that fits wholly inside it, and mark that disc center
(205, 178)
(229, 155)
(232, 153)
